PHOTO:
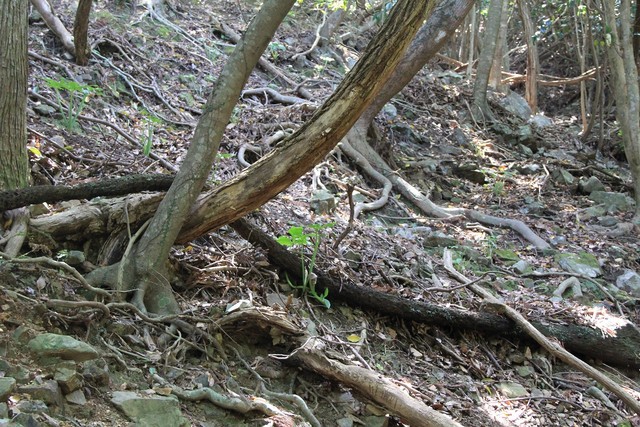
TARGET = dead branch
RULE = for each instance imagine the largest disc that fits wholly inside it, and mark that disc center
(53, 22)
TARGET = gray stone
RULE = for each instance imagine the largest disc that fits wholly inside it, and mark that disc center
(512, 389)
(390, 111)
(529, 169)
(592, 212)
(322, 202)
(344, 422)
(75, 258)
(96, 373)
(562, 176)
(67, 377)
(44, 110)
(612, 201)
(629, 281)
(526, 137)
(540, 121)
(32, 407)
(524, 371)
(63, 347)
(153, 411)
(516, 105)
(588, 186)
(521, 267)
(7, 386)
(76, 397)
(471, 172)
(4, 410)
(525, 150)
(533, 208)
(608, 221)
(582, 263)
(48, 392)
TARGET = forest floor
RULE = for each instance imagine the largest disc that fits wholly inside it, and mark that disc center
(153, 79)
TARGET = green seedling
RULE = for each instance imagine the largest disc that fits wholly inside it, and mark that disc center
(77, 98)
(298, 238)
(151, 120)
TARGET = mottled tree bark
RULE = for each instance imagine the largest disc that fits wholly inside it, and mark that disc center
(13, 105)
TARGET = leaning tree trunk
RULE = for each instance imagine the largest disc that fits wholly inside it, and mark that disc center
(13, 106)
(295, 156)
(145, 268)
(298, 154)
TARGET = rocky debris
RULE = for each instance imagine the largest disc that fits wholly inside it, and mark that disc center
(613, 202)
(512, 389)
(7, 386)
(521, 267)
(589, 185)
(48, 391)
(515, 104)
(629, 281)
(562, 176)
(582, 263)
(322, 202)
(151, 411)
(62, 347)
(470, 172)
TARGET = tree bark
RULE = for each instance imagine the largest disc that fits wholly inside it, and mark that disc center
(625, 84)
(485, 60)
(531, 83)
(13, 105)
(80, 30)
(620, 349)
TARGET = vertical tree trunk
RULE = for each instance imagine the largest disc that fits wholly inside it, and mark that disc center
(499, 57)
(485, 59)
(531, 84)
(13, 105)
(625, 81)
(80, 30)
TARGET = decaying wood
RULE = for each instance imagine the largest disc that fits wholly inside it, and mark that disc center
(106, 188)
(620, 349)
(371, 384)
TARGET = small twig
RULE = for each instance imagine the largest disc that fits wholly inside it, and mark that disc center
(349, 226)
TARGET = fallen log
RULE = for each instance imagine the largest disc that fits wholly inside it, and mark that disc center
(620, 350)
(106, 188)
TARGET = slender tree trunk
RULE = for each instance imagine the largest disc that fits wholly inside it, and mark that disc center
(485, 59)
(531, 84)
(499, 57)
(13, 105)
(80, 30)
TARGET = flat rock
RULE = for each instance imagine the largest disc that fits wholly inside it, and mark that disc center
(7, 386)
(152, 411)
(63, 347)
(582, 263)
(629, 281)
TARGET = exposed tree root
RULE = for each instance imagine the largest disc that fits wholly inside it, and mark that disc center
(375, 165)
